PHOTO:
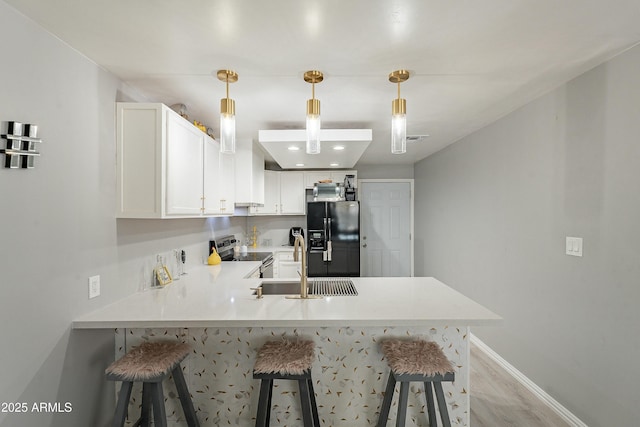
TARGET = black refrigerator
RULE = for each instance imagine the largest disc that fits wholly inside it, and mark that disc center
(333, 239)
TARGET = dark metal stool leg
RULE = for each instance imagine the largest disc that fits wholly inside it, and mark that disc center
(305, 401)
(185, 397)
(431, 409)
(269, 403)
(314, 408)
(264, 403)
(386, 403)
(402, 404)
(145, 418)
(123, 403)
(157, 399)
(442, 404)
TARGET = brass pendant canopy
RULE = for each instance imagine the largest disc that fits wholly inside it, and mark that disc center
(399, 76)
(227, 76)
(313, 76)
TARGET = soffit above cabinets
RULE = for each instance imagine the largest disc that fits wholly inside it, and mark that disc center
(340, 148)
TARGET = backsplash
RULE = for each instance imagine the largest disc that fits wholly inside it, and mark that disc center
(274, 230)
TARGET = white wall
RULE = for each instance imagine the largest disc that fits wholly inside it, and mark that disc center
(58, 228)
(492, 214)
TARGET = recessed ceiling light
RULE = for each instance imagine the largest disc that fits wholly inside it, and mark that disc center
(333, 164)
(338, 147)
(293, 148)
(299, 164)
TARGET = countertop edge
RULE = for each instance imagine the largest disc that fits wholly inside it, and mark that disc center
(80, 325)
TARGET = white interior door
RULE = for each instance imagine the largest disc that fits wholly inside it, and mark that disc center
(386, 222)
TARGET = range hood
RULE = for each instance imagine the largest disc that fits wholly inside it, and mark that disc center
(341, 148)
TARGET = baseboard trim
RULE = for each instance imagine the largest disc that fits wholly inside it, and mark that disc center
(563, 412)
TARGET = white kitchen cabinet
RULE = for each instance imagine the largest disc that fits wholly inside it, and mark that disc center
(249, 174)
(292, 195)
(311, 177)
(284, 194)
(184, 148)
(162, 164)
(289, 269)
(219, 180)
(284, 266)
(227, 167)
(271, 195)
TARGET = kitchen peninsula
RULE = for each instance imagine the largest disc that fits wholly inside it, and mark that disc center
(213, 309)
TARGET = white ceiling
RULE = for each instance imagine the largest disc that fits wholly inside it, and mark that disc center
(471, 62)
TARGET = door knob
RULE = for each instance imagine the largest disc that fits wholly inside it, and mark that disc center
(364, 246)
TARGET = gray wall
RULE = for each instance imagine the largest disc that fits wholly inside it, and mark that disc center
(58, 228)
(384, 171)
(492, 214)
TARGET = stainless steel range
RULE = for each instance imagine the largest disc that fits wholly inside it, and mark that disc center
(225, 247)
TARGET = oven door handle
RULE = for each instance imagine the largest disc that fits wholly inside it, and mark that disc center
(267, 263)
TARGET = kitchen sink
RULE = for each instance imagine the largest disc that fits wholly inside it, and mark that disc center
(334, 286)
(280, 288)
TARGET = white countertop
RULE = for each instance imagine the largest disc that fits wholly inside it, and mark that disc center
(219, 296)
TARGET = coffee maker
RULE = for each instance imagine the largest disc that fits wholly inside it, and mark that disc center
(349, 188)
(292, 234)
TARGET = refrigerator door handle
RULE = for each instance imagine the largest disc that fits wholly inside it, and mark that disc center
(329, 249)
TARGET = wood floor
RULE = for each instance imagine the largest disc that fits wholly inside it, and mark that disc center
(498, 400)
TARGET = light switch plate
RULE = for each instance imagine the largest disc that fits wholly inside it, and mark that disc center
(94, 286)
(574, 246)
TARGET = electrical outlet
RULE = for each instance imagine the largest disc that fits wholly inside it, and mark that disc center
(94, 286)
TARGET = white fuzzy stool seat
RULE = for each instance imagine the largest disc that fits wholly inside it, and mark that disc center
(286, 359)
(415, 360)
(150, 363)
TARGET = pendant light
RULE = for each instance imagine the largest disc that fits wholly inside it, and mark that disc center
(399, 115)
(227, 114)
(313, 113)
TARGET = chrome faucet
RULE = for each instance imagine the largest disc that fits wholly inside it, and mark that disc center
(304, 292)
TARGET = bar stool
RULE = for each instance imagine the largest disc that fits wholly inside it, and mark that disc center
(415, 360)
(150, 363)
(286, 360)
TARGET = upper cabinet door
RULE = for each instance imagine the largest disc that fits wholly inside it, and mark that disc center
(227, 167)
(184, 167)
(212, 193)
(271, 194)
(292, 193)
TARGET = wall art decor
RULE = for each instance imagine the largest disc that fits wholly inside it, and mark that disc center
(20, 150)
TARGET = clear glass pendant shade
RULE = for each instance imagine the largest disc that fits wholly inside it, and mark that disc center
(313, 134)
(227, 133)
(399, 133)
